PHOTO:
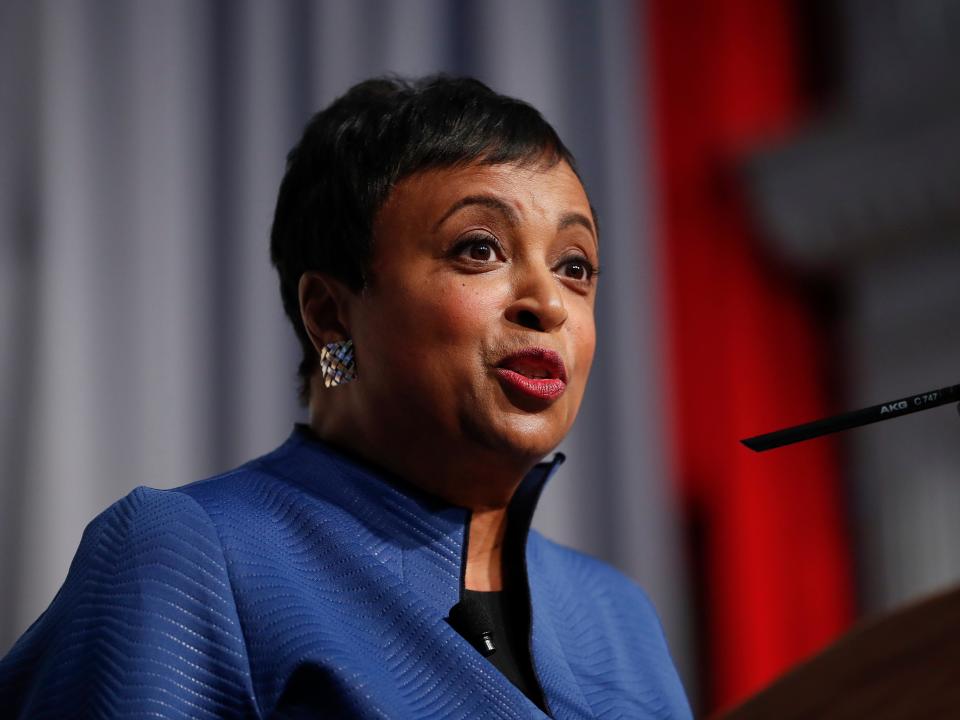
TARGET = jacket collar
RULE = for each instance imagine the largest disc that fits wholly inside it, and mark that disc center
(420, 536)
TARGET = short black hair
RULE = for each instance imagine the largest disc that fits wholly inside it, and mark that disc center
(351, 154)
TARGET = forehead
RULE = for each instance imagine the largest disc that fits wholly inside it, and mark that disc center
(534, 191)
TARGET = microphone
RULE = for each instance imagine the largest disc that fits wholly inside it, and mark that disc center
(857, 418)
(470, 618)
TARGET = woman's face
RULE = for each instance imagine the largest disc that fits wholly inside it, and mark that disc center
(471, 266)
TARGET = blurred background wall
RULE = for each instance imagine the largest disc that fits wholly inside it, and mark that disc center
(777, 187)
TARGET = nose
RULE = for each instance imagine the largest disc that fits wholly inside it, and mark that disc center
(538, 302)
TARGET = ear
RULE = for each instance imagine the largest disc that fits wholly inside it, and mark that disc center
(323, 308)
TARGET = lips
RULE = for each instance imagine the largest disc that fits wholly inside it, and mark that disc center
(535, 372)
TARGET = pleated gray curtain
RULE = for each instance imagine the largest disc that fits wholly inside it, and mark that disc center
(142, 340)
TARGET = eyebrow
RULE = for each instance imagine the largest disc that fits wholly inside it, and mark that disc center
(494, 203)
(488, 201)
(574, 218)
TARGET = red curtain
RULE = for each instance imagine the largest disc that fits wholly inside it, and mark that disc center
(746, 353)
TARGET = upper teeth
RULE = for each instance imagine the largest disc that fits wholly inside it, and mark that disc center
(534, 374)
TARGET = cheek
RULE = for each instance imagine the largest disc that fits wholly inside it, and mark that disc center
(584, 340)
(455, 313)
(440, 331)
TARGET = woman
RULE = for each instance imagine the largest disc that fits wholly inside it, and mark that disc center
(438, 259)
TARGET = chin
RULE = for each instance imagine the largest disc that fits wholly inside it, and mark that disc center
(531, 437)
(521, 433)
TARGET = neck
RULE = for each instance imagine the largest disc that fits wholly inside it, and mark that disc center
(457, 470)
(484, 569)
(476, 478)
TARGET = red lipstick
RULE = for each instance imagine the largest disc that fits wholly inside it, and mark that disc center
(536, 372)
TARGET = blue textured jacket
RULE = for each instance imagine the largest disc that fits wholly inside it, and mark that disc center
(308, 584)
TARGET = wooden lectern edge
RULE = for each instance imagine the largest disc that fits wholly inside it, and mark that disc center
(905, 664)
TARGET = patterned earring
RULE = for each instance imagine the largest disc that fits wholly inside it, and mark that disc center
(337, 364)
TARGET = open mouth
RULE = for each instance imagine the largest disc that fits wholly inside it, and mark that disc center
(535, 372)
(536, 363)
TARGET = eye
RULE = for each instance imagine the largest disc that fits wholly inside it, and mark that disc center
(478, 248)
(578, 268)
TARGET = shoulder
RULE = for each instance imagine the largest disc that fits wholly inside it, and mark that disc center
(264, 486)
(596, 579)
(620, 642)
(262, 506)
(147, 594)
(146, 515)
(152, 533)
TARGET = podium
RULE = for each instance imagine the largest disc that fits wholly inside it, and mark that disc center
(902, 665)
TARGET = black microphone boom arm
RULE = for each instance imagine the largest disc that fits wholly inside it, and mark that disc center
(857, 418)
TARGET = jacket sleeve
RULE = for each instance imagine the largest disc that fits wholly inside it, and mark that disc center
(144, 625)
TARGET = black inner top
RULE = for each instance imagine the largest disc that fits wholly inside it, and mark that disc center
(507, 611)
(510, 637)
